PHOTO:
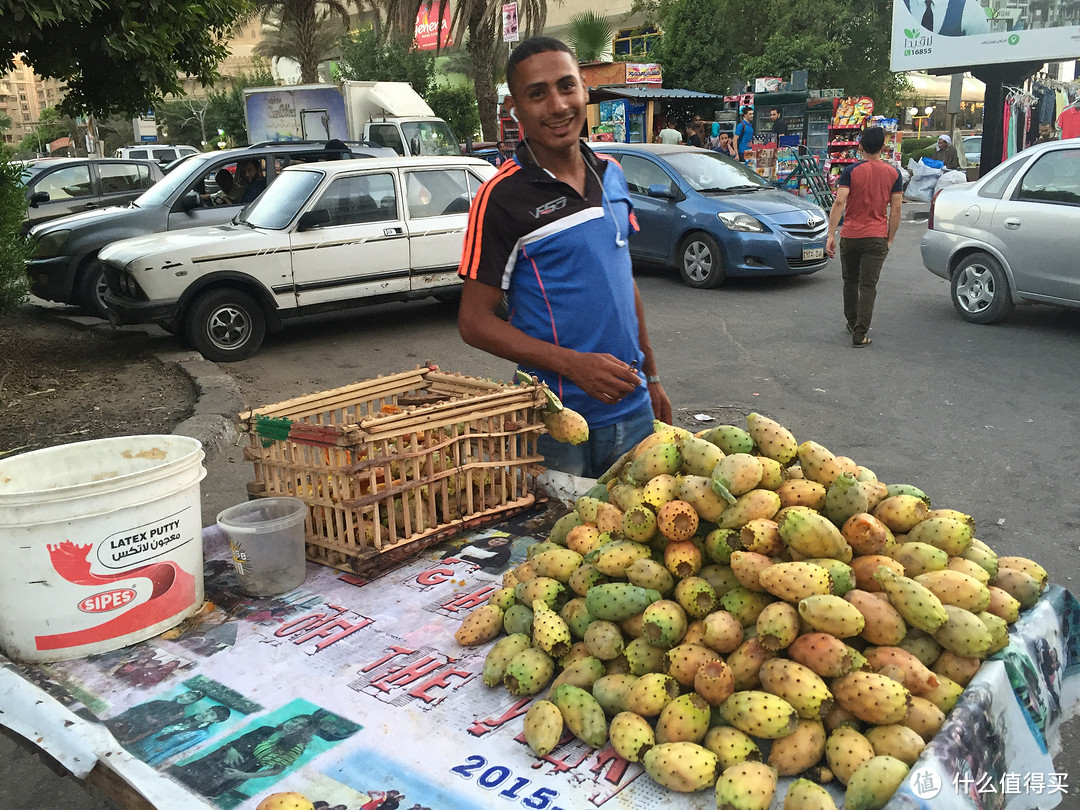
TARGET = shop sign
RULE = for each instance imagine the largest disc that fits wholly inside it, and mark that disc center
(433, 25)
(643, 73)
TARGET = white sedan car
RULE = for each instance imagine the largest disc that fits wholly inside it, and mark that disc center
(323, 236)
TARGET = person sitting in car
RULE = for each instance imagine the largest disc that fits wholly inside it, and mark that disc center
(254, 181)
(226, 186)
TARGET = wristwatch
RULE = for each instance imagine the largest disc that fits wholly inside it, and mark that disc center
(652, 378)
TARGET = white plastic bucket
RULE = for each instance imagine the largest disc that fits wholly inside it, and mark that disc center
(266, 537)
(101, 543)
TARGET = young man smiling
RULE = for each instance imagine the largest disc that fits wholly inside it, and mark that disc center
(551, 233)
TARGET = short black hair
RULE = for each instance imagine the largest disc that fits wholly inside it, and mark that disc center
(746, 109)
(775, 110)
(872, 140)
(531, 47)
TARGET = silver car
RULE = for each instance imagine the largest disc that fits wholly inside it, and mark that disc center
(1007, 238)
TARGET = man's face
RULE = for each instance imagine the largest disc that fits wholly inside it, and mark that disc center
(550, 99)
(725, 139)
(774, 115)
(250, 171)
(749, 115)
(942, 143)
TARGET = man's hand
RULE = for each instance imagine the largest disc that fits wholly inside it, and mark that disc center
(661, 405)
(603, 377)
(830, 246)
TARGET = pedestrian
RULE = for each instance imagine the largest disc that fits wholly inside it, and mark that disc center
(778, 126)
(726, 146)
(562, 216)
(669, 134)
(946, 153)
(744, 132)
(693, 136)
(868, 196)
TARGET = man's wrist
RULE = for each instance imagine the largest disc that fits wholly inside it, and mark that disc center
(652, 379)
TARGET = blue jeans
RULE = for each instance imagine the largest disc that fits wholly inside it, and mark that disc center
(605, 445)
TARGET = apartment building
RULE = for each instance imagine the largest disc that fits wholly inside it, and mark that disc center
(23, 95)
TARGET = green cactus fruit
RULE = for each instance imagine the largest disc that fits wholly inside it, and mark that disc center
(803, 794)
(841, 575)
(631, 736)
(528, 672)
(563, 526)
(604, 640)
(999, 632)
(576, 616)
(550, 591)
(813, 535)
(720, 578)
(660, 459)
(745, 605)
(777, 626)
(909, 490)
(956, 588)
(964, 633)
(735, 475)
(729, 438)
(543, 727)
(759, 714)
(757, 503)
(586, 508)
(746, 786)
(699, 456)
(480, 626)
(550, 633)
(615, 601)
(872, 697)
(874, 782)
(697, 491)
(518, 619)
(919, 558)
(983, 556)
(584, 577)
(643, 658)
(639, 524)
(650, 693)
(583, 672)
(1020, 585)
(659, 490)
(664, 623)
(949, 534)
(826, 613)
(649, 574)
(916, 603)
(684, 767)
(696, 596)
(537, 548)
(731, 746)
(718, 545)
(500, 655)
(557, 563)
(845, 497)
(610, 691)
(792, 581)
(901, 513)
(684, 719)
(612, 559)
(582, 715)
(772, 439)
(625, 496)
(503, 598)
(798, 685)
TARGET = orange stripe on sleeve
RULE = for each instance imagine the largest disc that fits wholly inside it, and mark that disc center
(474, 234)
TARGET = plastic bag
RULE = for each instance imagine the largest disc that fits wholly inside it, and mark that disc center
(950, 178)
(923, 180)
(933, 164)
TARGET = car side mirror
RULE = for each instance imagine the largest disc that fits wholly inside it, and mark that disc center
(313, 219)
(663, 191)
(190, 200)
(38, 197)
(414, 146)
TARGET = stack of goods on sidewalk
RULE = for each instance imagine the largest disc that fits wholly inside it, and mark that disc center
(732, 607)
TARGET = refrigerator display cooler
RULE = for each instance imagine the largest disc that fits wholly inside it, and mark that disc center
(621, 121)
(819, 115)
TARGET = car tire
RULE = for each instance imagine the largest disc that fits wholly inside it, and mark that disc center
(980, 290)
(701, 264)
(225, 325)
(92, 289)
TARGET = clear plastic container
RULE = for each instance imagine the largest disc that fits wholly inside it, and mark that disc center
(266, 537)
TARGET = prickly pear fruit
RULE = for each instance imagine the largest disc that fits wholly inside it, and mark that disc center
(643, 657)
(745, 605)
(955, 588)
(563, 526)
(722, 631)
(806, 795)
(755, 504)
(613, 558)
(896, 741)
(917, 677)
(699, 456)
(872, 697)
(818, 463)
(518, 619)
(528, 672)
(918, 558)
(500, 655)
(761, 536)
(845, 498)
(566, 426)
(960, 668)
(826, 613)
(949, 534)
(624, 496)
(915, 602)
(901, 513)
(865, 566)
(866, 534)
(793, 581)
(883, 623)
(840, 573)
(972, 569)
(681, 766)
(823, 653)
(615, 601)
(772, 473)
(664, 623)
(945, 695)
(604, 640)
(683, 558)
(747, 567)
(720, 544)
(1003, 604)
(543, 727)
(631, 736)
(964, 633)
(584, 577)
(557, 563)
(683, 662)
(610, 692)
(550, 633)
(777, 625)
(799, 750)
(480, 626)
(999, 631)
(583, 716)
(677, 520)
(983, 556)
(661, 459)
(650, 693)
(1020, 585)
(503, 599)
(773, 439)
(746, 786)
(649, 574)
(639, 524)
(845, 750)
(684, 719)
(874, 782)
(813, 535)
(697, 491)
(583, 672)
(659, 490)
(802, 492)
(736, 475)
(798, 685)
(924, 718)
(908, 489)
(550, 591)
(759, 714)
(729, 438)
(696, 596)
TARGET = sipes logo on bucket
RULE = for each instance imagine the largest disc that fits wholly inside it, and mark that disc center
(108, 600)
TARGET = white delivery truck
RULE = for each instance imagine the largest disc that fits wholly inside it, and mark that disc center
(385, 113)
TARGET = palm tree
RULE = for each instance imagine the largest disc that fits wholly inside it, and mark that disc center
(305, 30)
(590, 35)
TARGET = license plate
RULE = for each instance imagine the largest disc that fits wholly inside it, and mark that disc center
(813, 253)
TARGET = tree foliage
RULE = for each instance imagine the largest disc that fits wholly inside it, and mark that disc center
(306, 31)
(225, 106)
(51, 124)
(456, 104)
(386, 57)
(713, 45)
(15, 248)
(116, 56)
(589, 34)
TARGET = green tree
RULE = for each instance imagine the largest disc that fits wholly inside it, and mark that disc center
(386, 57)
(117, 56)
(589, 34)
(225, 106)
(304, 30)
(456, 104)
(15, 248)
(51, 124)
(184, 119)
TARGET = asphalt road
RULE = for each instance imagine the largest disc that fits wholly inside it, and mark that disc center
(983, 418)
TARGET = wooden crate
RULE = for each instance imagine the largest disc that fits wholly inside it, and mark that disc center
(398, 463)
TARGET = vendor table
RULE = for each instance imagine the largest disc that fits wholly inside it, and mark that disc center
(355, 692)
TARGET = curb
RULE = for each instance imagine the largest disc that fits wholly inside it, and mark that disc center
(217, 396)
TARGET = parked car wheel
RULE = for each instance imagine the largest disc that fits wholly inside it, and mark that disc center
(225, 325)
(980, 290)
(92, 289)
(700, 262)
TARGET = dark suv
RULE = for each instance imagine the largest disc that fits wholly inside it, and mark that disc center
(65, 267)
(56, 187)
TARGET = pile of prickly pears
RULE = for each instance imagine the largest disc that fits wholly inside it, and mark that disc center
(722, 593)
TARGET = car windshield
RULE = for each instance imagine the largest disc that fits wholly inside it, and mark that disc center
(435, 137)
(276, 207)
(193, 167)
(710, 172)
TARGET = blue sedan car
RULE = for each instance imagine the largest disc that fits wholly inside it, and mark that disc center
(712, 217)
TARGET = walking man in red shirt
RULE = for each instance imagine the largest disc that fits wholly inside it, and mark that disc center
(870, 192)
